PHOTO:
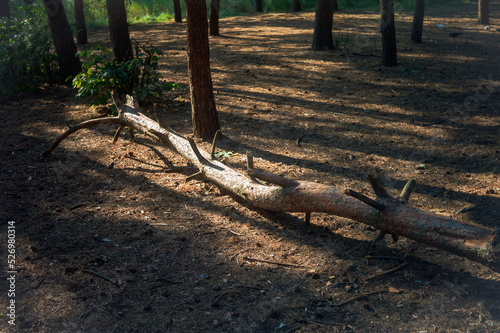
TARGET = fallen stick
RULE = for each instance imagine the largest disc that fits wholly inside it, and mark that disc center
(273, 262)
(116, 282)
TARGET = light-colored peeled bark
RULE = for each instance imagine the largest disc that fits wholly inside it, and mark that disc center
(393, 216)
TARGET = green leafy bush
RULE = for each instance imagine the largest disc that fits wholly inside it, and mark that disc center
(101, 75)
(25, 58)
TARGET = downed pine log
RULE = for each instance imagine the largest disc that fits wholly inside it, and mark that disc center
(388, 214)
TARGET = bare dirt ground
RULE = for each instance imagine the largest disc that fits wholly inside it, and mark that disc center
(183, 251)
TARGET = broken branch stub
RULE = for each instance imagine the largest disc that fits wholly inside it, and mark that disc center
(471, 241)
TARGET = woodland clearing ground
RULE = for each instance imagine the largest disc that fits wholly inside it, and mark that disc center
(180, 248)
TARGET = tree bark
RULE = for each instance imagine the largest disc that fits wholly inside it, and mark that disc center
(296, 6)
(257, 5)
(62, 36)
(4, 8)
(418, 21)
(81, 28)
(483, 12)
(389, 51)
(390, 215)
(118, 30)
(177, 11)
(323, 24)
(204, 113)
(214, 18)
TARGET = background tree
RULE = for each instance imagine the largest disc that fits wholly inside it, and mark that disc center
(177, 11)
(4, 8)
(483, 12)
(204, 113)
(81, 28)
(323, 24)
(389, 51)
(62, 37)
(418, 21)
(118, 30)
(257, 5)
(214, 17)
(296, 6)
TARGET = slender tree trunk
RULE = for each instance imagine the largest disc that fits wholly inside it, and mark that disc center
(257, 5)
(323, 24)
(4, 8)
(204, 112)
(62, 36)
(177, 11)
(389, 51)
(418, 21)
(214, 17)
(81, 28)
(296, 6)
(483, 12)
(118, 30)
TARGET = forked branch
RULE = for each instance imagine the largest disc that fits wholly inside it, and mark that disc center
(388, 214)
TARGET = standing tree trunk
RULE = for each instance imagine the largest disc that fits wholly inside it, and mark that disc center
(214, 17)
(118, 30)
(323, 24)
(389, 51)
(418, 21)
(257, 5)
(483, 12)
(177, 11)
(61, 34)
(81, 28)
(296, 6)
(204, 113)
(4, 8)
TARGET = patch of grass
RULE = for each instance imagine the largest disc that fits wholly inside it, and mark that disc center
(153, 11)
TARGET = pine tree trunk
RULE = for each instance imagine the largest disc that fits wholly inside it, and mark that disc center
(418, 21)
(118, 30)
(177, 11)
(204, 113)
(483, 12)
(4, 8)
(296, 6)
(81, 28)
(214, 17)
(389, 51)
(323, 24)
(257, 4)
(62, 36)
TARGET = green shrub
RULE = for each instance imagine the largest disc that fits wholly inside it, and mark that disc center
(101, 75)
(25, 58)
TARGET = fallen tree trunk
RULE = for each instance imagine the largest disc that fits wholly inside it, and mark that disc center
(388, 214)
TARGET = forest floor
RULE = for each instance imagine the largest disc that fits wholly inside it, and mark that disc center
(190, 259)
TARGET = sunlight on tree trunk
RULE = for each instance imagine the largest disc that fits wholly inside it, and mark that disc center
(204, 112)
